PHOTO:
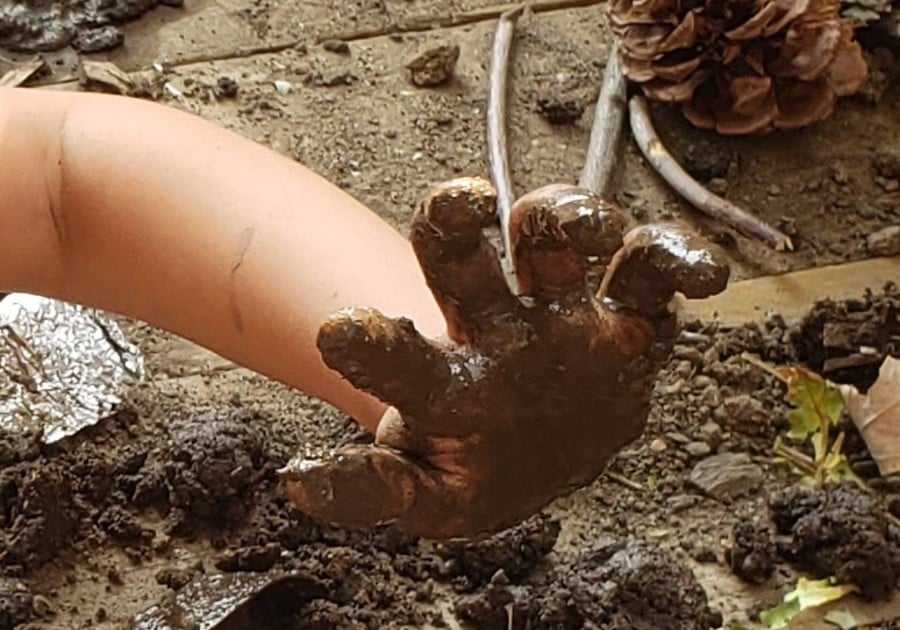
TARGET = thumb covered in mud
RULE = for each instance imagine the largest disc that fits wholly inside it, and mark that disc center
(356, 486)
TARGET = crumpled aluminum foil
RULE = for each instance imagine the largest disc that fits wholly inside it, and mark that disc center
(62, 367)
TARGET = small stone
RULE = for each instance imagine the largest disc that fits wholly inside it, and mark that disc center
(684, 369)
(711, 433)
(727, 476)
(175, 579)
(500, 578)
(658, 445)
(697, 449)
(681, 502)
(678, 438)
(226, 87)
(703, 555)
(718, 186)
(686, 353)
(839, 174)
(559, 110)
(336, 46)
(885, 242)
(42, 606)
(710, 396)
(746, 411)
(434, 66)
(774, 190)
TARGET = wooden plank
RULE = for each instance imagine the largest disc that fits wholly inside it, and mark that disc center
(792, 294)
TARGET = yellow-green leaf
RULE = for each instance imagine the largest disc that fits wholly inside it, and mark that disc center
(817, 403)
(779, 616)
(837, 468)
(843, 619)
(812, 593)
(807, 594)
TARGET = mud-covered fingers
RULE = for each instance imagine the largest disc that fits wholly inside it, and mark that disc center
(356, 487)
(656, 261)
(553, 230)
(461, 267)
(385, 357)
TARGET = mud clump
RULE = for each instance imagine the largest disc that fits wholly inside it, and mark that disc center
(87, 25)
(209, 469)
(847, 341)
(203, 473)
(17, 446)
(39, 514)
(839, 531)
(363, 585)
(613, 584)
(516, 552)
(752, 553)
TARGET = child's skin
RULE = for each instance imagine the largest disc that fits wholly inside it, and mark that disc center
(152, 213)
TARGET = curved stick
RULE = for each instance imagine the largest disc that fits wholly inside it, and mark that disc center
(710, 204)
(496, 126)
(606, 130)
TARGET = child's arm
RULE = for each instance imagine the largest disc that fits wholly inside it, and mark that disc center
(156, 214)
(152, 213)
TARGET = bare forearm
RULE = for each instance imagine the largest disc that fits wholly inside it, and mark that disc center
(158, 215)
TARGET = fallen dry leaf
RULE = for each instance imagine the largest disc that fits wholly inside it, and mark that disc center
(22, 73)
(877, 415)
(105, 76)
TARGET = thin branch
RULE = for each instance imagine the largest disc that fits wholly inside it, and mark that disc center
(710, 204)
(799, 460)
(625, 481)
(496, 125)
(606, 131)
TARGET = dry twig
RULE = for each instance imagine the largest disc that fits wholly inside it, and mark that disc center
(625, 481)
(710, 204)
(496, 125)
(606, 130)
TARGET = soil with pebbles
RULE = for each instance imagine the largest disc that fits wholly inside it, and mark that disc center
(208, 480)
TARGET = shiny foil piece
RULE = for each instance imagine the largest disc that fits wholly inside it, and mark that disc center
(62, 367)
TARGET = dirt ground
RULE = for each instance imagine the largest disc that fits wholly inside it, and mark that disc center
(164, 514)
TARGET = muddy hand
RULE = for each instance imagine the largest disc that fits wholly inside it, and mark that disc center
(528, 398)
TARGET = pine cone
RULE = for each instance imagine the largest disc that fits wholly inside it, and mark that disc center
(740, 66)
